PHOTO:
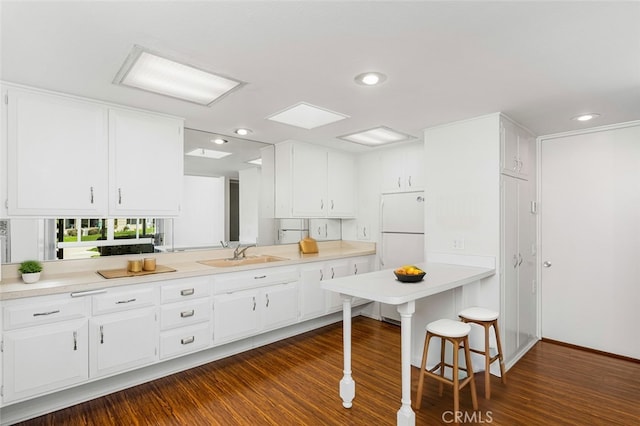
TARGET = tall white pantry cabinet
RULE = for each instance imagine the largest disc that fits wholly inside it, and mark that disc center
(480, 203)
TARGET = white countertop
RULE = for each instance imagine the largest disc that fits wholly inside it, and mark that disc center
(382, 286)
(81, 275)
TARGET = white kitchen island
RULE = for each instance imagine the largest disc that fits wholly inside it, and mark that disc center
(382, 286)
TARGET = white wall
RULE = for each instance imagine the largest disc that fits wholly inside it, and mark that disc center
(201, 221)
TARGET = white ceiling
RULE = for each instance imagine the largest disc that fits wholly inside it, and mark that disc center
(539, 62)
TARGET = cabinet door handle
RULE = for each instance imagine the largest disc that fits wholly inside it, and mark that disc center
(331, 204)
(259, 277)
(91, 194)
(409, 180)
(87, 293)
(41, 314)
(75, 340)
(319, 228)
(119, 195)
(515, 261)
(188, 340)
(520, 261)
(515, 164)
(101, 334)
(267, 297)
(187, 292)
(125, 301)
(321, 204)
(519, 165)
(355, 269)
(187, 314)
(321, 275)
(333, 273)
(399, 181)
(254, 303)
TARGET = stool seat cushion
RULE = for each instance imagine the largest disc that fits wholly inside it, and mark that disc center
(479, 314)
(448, 328)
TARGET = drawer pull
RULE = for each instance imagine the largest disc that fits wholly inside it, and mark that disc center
(101, 334)
(75, 340)
(188, 340)
(87, 293)
(187, 314)
(40, 314)
(259, 277)
(125, 301)
(187, 292)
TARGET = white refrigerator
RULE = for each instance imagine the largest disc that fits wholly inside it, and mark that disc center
(402, 240)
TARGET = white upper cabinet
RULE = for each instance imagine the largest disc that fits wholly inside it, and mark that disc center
(72, 157)
(402, 169)
(517, 150)
(312, 181)
(146, 164)
(57, 150)
(341, 184)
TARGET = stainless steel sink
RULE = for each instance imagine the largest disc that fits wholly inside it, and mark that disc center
(249, 260)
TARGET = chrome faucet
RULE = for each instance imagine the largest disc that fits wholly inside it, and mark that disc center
(241, 251)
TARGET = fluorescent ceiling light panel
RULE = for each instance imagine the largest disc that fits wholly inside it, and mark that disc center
(148, 71)
(257, 161)
(306, 116)
(208, 153)
(377, 136)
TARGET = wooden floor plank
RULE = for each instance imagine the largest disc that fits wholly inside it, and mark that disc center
(295, 382)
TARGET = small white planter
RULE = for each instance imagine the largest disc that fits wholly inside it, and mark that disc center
(31, 278)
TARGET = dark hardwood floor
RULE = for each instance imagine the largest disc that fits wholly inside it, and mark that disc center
(295, 382)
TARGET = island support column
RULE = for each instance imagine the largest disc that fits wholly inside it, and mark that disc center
(347, 385)
(406, 415)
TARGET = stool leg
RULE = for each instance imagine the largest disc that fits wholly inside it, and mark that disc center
(503, 373)
(467, 355)
(443, 341)
(487, 363)
(456, 380)
(422, 369)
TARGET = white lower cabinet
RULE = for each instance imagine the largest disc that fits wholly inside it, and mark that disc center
(40, 359)
(184, 340)
(243, 313)
(312, 302)
(122, 341)
(335, 269)
(279, 305)
(235, 315)
(44, 345)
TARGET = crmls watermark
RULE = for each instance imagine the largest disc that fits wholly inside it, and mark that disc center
(465, 417)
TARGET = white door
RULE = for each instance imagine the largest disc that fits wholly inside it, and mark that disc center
(590, 240)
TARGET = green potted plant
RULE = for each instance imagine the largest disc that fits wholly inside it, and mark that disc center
(30, 270)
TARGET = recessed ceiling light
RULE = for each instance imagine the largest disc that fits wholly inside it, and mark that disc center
(370, 78)
(208, 153)
(377, 136)
(242, 131)
(586, 117)
(151, 72)
(257, 161)
(219, 141)
(306, 116)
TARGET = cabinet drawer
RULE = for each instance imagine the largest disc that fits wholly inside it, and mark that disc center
(190, 288)
(185, 313)
(115, 301)
(43, 312)
(184, 340)
(254, 279)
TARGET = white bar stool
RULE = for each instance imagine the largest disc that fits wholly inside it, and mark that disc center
(487, 319)
(457, 333)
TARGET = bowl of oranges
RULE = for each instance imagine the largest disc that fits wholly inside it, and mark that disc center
(409, 274)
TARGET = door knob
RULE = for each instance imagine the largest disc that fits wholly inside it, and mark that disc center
(547, 264)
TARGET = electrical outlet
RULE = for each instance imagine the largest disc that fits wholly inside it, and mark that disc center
(363, 231)
(458, 243)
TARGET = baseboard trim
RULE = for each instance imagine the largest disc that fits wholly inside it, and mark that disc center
(594, 351)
